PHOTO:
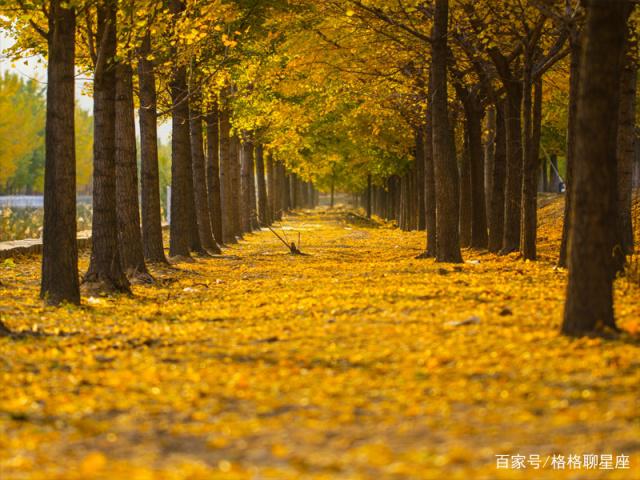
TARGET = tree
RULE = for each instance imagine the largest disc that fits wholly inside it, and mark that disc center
(59, 281)
(589, 303)
(444, 160)
(105, 268)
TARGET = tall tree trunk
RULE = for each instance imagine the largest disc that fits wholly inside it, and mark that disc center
(513, 191)
(420, 177)
(253, 212)
(286, 190)
(236, 187)
(127, 203)
(496, 212)
(226, 185)
(532, 118)
(369, 196)
(444, 159)
(589, 303)
(574, 84)
(150, 184)
(213, 173)
(263, 200)
(489, 155)
(430, 188)
(201, 196)
(627, 150)
(105, 268)
(60, 248)
(473, 116)
(246, 151)
(272, 190)
(181, 175)
(465, 191)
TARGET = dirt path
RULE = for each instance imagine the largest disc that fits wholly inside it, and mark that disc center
(356, 361)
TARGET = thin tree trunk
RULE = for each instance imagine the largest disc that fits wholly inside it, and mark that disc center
(430, 188)
(181, 176)
(246, 151)
(127, 203)
(496, 212)
(489, 155)
(445, 168)
(201, 196)
(479, 237)
(574, 84)
(272, 191)
(60, 281)
(532, 118)
(263, 199)
(105, 268)
(589, 303)
(150, 184)
(253, 212)
(236, 187)
(626, 152)
(513, 193)
(369, 196)
(213, 173)
(226, 185)
(465, 191)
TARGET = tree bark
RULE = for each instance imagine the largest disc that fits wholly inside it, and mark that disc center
(127, 203)
(589, 303)
(446, 170)
(201, 196)
(236, 187)
(246, 151)
(473, 115)
(105, 268)
(513, 193)
(263, 200)
(369, 196)
(574, 84)
(60, 283)
(213, 173)
(626, 151)
(496, 212)
(489, 155)
(226, 186)
(181, 174)
(150, 184)
(272, 192)
(465, 191)
(532, 118)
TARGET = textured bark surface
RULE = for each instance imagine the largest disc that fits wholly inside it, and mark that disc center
(226, 187)
(473, 118)
(213, 173)
(574, 83)
(127, 203)
(253, 213)
(201, 195)
(465, 191)
(105, 269)
(444, 159)
(489, 155)
(272, 191)
(59, 282)
(263, 200)
(496, 212)
(236, 204)
(420, 178)
(589, 303)
(530, 171)
(181, 176)
(626, 153)
(246, 150)
(513, 190)
(150, 177)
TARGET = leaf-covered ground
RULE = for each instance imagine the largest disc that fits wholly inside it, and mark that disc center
(356, 361)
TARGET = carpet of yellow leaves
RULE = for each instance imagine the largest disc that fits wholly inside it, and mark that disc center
(356, 361)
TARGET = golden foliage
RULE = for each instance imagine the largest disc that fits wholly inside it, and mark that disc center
(353, 362)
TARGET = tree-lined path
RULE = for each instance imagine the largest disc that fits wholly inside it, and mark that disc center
(356, 361)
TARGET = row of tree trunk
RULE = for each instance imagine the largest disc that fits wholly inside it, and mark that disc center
(223, 184)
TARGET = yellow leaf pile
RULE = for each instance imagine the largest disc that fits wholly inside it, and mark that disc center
(356, 361)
